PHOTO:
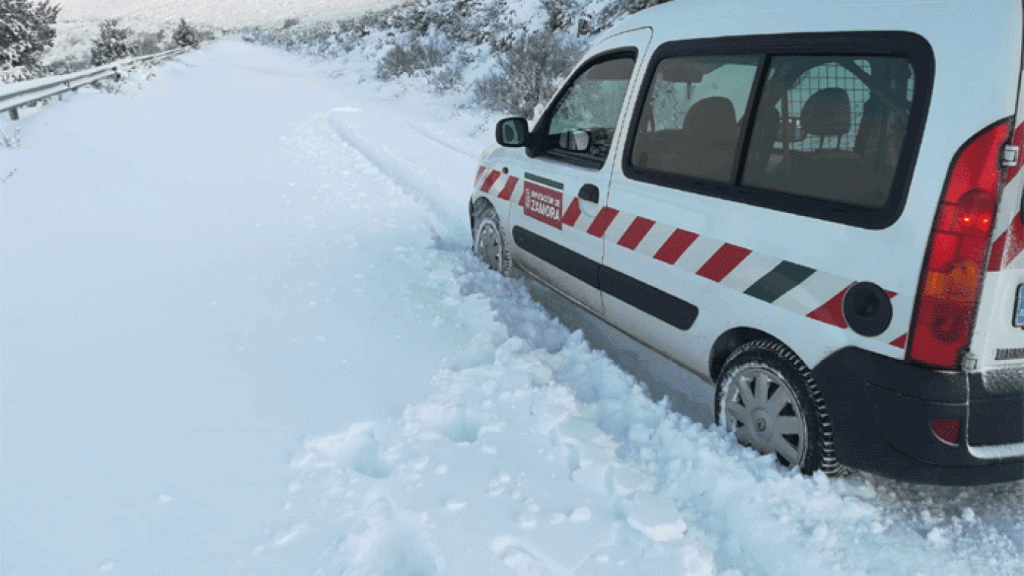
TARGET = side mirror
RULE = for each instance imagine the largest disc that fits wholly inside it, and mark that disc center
(512, 132)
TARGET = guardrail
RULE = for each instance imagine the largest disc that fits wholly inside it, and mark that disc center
(13, 96)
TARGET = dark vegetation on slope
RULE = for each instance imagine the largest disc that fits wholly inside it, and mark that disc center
(28, 30)
(442, 39)
(524, 51)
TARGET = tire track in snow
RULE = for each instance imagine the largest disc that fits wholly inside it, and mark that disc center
(435, 173)
(473, 155)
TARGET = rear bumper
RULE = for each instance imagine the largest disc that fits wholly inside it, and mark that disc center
(881, 409)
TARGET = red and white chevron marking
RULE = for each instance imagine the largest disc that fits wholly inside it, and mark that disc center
(1010, 242)
(495, 182)
(818, 297)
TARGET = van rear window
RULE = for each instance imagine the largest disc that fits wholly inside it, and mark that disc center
(824, 134)
(831, 128)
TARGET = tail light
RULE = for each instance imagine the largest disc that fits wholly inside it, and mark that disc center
(954, 265)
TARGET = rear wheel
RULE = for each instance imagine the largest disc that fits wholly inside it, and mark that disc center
(767, 397)
(489, 241)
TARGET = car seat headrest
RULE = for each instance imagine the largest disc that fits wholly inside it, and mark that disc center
(712, 117)
(826, 113)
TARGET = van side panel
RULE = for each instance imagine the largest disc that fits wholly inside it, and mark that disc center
(890, 258)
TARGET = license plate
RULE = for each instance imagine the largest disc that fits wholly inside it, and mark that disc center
(1018, 319)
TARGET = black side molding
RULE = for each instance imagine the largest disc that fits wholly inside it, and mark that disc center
(647, 298)
(644, 297)
(573, 263)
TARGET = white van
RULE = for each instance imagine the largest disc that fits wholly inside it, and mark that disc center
(814, 205)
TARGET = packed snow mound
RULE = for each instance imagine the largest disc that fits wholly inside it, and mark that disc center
(547, 459)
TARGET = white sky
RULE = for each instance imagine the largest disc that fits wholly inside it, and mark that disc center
(225, 13)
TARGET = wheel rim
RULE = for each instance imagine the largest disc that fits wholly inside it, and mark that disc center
(763, 412)
(488, 245)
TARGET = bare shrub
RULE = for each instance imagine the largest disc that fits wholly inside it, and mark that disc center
(413, 56)
(12, 142)
(450, 76)
(615, 11)
(66, 65)
(528, 73)
(561, 13)
(150, 42)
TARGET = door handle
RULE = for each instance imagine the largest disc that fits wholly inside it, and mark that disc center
(590, 193)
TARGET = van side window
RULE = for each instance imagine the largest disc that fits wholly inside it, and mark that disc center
(583, 121)
(831, 128)
(824, 125)
(688, 125)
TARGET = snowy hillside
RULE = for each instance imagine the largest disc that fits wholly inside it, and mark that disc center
(79, 20)
(222, 13)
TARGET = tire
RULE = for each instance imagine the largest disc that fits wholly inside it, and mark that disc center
(489, 240)
(768, 399)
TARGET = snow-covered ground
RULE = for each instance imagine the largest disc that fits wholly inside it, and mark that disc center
(224, 13)
(242, 333)
(78, 21)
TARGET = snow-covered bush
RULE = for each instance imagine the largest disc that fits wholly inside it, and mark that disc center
(528, 73)
(150, 42)
(12, 142)
(185, 36)
(561, 13)
(533, 42)
(616, 10)
(112, 43)
(26, 30)
(66, 65)
(407, 58)
(450, 76)
(16, 74)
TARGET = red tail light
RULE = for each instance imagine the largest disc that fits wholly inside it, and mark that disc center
(954, 264)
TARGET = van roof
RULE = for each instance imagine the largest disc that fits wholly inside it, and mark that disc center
(960, 23)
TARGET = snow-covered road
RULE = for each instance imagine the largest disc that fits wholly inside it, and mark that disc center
(242, 333)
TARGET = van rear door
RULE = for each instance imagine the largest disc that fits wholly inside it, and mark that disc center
(995, 360)
(998, 339)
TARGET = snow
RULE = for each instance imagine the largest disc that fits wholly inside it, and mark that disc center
(222, 13)
(243, 333)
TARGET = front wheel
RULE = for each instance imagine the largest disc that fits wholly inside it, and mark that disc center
(489, 241)
(767, 397)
